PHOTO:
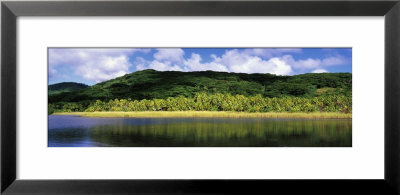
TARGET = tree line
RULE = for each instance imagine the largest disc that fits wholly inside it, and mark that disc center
(151, 84)
(215, 102)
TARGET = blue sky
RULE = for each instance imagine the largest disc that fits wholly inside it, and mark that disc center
(94, 65)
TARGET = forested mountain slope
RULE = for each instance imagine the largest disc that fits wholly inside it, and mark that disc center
(65, 87)
(151, 84)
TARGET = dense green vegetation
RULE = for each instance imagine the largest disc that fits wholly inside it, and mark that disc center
(217, 102)
(65, 87)
(149, 84)
(211, 91)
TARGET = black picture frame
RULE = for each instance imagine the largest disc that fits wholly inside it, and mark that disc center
(10, 10)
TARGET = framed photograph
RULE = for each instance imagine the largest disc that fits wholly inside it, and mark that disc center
(222, 97)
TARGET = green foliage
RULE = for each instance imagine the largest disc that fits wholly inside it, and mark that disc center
(225, 102)
(151, 84)
(65, 87)
(67, 107)
(151, 90)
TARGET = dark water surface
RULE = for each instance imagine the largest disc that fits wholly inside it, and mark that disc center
(76, 131)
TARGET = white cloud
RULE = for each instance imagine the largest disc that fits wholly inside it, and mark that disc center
(257, 65)
(194, 64)
(271, 52)
(334, 61)
(92, 64)
(232, 61)
(164, 66)
(142, 64)
(319, 71)
(169, 54)
(237, 61)
(302, 64)
(104, 68)
(104, 64)
(310, 63)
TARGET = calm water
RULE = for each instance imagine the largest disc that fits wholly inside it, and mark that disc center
(76, 131)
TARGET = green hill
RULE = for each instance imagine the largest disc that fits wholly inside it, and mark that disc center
(65, 87)
(150, 84)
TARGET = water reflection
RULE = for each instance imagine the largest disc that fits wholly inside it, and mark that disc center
(75, 131)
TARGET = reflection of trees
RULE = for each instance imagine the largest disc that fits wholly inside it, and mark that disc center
(238, 133)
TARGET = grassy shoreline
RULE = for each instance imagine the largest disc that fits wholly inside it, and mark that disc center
(211, 114)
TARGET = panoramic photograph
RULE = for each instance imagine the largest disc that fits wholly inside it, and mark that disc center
(199, 97)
